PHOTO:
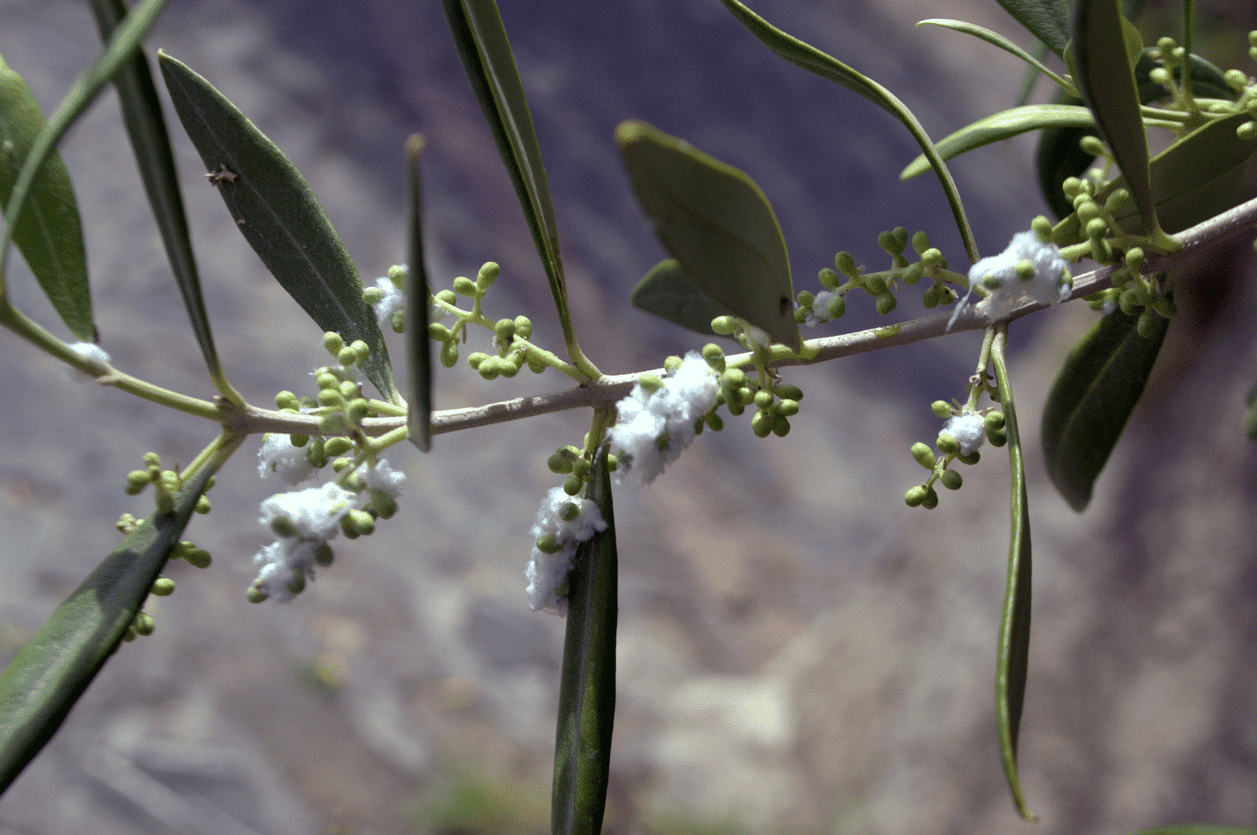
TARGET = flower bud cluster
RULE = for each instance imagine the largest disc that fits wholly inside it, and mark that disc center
(829, 303)
(1096, 223)
(959, 440)
(562, 523)
(1147, 296)
(304, 522)
(165, 484)
(661, 416)
(1030, 267)
(388, 299)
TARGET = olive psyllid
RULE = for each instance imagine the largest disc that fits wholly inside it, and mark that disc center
(715, 221)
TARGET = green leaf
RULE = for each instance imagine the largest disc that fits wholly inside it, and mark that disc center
(582, 750)
(42, 683)
(489, 64)
(1013, 658)
(1047, 20)
(717, 223)
(1103, 45)
(1197, 177)
(47, 232)
(998, 40)
(1002, 125)
(670, 293)
(1092, 399)
(418, 345)
(278, 214)
(146, 128)
(826, 66)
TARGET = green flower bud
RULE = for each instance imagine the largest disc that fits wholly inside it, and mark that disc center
(536, 364)
(762, 423)
(581, 467)
(339, 465)
(256, 594)
(504, 331)
(137, 480)
(487, 275)
(142, 624)
(332, 424)
(337, 446)
(876, 284)
(650, 383)
(947, 443)
(916, 495)
(836, 307)
(1164, 307)
(930, 298)
(920, 242)
(997, 437)
(558, 464)
(202, 506)
(464, 286)
(523, 327)
(788, 407)
(931, 499)
(805, 298)
(1042, 228)
(970, 459)
(941, 409)
(331, 398)
(951, 479)
(438, 332)
(357, 409)
(316, 454)
(333, 342)
(828, 279)
(548, 544)
(162, 587)
(913, 273)
(569, 511)
(746, 395)
(714, 421)
(724, 325)
(347, 356)
(924, 455)
(449, 353)
(446, 296)
(286, 400)
(1246, 132)
(763, 399)
(886, 302)
(129, 634)
(151, 460)
(359, 521)
(475, 358)
(781, 425)
(381, 505)
(714, 355)
(573, 484)
(349, 390)
(1147, 323)
(845, 264)
(323, 555)
(994, 421)
(671, 364)
(283, 527)
(297, 582)
(734, 378)
(786, 391)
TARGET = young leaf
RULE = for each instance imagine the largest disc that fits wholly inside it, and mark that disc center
(998, 40)
(489, 64)
(715, 221)
(47, 232)
(418, 345)
(146, 127)
(1047, 20)
(670, 293)
(42, 683)
(1002, 125)
(826, 66)
(278, 215)
(1092, 399)
(582, 749)
(1013, 661)
(1103, 44)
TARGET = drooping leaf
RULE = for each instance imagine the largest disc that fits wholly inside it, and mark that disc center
(717, 223)
(582, 750)
(1093, 398)
(815, 61)
(278, 214)
(1199, 176)
(669, 293)
(489, 64)
(998, 40)
(47, 232)
(1002, 125)
(1013, 659)
(150, 141)
(1047, 20)
(418, 345)
(1105, 49)
(42, 683)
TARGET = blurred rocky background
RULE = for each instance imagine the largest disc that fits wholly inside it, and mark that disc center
(799, 652)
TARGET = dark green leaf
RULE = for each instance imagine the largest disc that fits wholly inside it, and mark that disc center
(1002, 125)
(42, 683)
(47, 232)
(669, 293)
(1013, 662)
(278, 215)
(1103, 44)
(826, 66)
(490, 67)
(582, 750)
(1047, 20)
(1092, 399)
(717, 223)
(146, 127)
(418, 345)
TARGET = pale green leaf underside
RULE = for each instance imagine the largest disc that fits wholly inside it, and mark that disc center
(669, 293)
(41, 684)
(1004, 125)
(717, 223)
(279, 215)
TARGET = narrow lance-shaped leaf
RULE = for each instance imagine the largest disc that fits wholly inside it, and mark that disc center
(418, 345)
(582, 749)
(826, 66)
(1047, 20)
(146, 128)
(1092, 399)
(1013, 660)
(489, 64)
(717, 223)
(998, 40)
(1103, 46)
(47, 232)
(1003, 125)
(670, 293)
(279, 215)
(42, 683)
(125, 40)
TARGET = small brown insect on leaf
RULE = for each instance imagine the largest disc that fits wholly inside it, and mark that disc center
(222, 175)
